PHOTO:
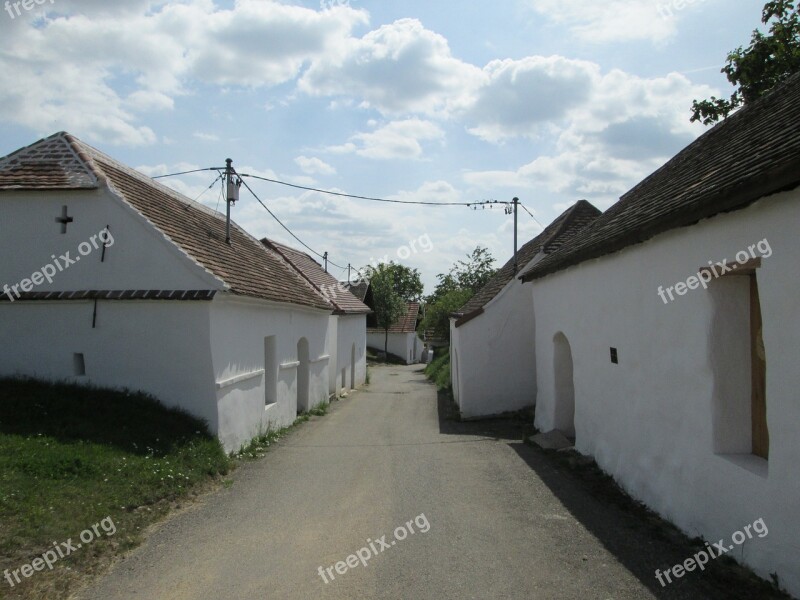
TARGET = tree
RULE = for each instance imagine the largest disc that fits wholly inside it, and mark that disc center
(456, 288)
(437, 315)
(406, 281)
(766, 62)
(472, 275)
(390, 306)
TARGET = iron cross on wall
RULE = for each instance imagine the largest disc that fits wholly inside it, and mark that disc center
(64, 219)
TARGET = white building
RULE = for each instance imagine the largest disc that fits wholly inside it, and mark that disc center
(229, 332)
(492, 359)
(347, 336)
(404, 342)
(674, 369)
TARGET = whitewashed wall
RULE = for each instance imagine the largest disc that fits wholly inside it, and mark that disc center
(140, 258)
(407, 346)
(129, 348)
(200, 356)
(496, 369)
(352, 333)
(650, 421)
(238, 330)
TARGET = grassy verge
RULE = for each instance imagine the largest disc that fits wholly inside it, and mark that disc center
(72, 457)
(439, 370)
(261, 444)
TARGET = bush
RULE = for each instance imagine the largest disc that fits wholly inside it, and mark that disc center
(439, 370)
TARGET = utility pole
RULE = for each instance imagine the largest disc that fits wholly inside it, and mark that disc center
(325, 256)
(232, 196)
(349, 269)
(515, 202)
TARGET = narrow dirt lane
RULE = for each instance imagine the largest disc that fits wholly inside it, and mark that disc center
(503, 521)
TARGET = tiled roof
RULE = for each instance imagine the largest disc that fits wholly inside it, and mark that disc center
(175, 295)
(359, 290)
(752, 154)
(555, 236)
(245, 266)
(51, 164)
(405, 324)
(335, 291)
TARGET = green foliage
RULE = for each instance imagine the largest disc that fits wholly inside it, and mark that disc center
(407, 282)
(439, 370)
(456, 288)
(389, 304)
(437, 315)
(472, 275)
(768, 60)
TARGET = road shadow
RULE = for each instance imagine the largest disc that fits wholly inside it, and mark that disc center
(509, 428)
(639, 539)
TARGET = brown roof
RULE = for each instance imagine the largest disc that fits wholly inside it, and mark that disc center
(52, 164)
(752, 154)
(405, 324)
(359, 290)
(555, 236)
(245, 266)
(325, 283)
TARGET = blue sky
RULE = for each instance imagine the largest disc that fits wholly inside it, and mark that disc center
(547, 100)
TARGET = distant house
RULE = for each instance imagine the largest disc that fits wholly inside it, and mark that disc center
(492, 359)
(667, 336)
(347, 337)
(403, 339)
(112, 279)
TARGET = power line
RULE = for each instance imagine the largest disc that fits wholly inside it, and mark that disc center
(369, 198)
(531, 214)
(186, 172)
(289, 231)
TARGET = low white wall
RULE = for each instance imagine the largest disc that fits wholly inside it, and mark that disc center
(407, 346)
(239, 327)
(653, 419)
(351, 335)
(157, 347)
(496, 370)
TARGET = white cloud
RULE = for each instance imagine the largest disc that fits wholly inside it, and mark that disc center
(59, 70)
(395, 140)
(613, 20)
(206, 137)
(520, 96)
(401, 68)
(625, 128)
(314, 166)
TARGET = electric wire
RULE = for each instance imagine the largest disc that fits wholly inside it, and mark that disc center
(281, 223)
(241, 177)
(369, 198)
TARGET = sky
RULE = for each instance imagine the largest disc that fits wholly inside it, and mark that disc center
(550, 101)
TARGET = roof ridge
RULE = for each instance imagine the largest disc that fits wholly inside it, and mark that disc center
(753, 153)
(277, 248)
(80, 147)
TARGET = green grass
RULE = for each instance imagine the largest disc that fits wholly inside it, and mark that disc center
(71, 456)
(439, 370)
